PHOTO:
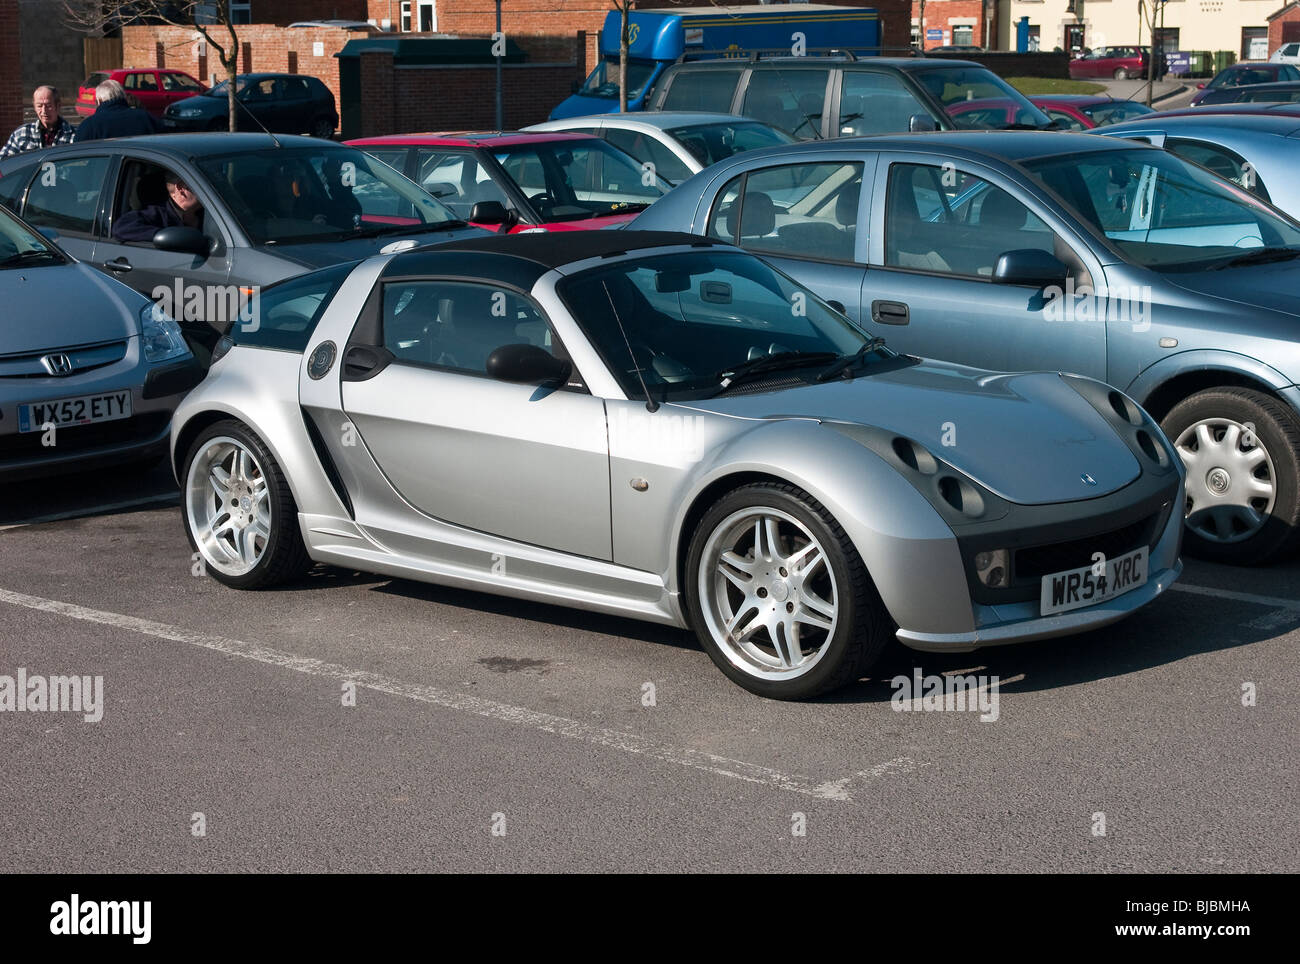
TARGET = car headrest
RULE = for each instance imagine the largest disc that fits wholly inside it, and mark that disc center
(846, 205)
(759, 215)
(1001, 210)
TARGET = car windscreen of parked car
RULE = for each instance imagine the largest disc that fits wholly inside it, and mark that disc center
(295, 195)
(578, 179)
(1115, 111)
(21, 248)
(1164, 213)
(603, 81)
(691, 321)
(955, 85)
(710, 143)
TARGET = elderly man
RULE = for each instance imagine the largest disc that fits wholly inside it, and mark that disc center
(114, 117)
(48, 129)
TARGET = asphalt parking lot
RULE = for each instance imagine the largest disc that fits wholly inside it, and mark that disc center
(490, 734)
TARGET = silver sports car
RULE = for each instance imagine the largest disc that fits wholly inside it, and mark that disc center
(665, 427)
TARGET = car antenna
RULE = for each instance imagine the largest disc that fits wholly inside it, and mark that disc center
(650, 404)
(274, 140)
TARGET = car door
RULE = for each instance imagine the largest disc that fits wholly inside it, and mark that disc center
(805, 219)
(296, 109)
(937, 233)
(143, 86)
(176, 279)
(523, 462)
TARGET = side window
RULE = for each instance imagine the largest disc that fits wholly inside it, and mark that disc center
(451, 325)
(457, 180)
(295, 88)
(726, 212)
(65, 194)
(393, 157)
(792, 100)
(799, 210)
(706, 90)
(872, 103)
(173, 82)
(1068, 122)
(141, 82)
(950, 222)
(12, 185)
(645, 148)
(1229, 165)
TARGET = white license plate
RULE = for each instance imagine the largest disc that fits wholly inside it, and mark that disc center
(1076, 588)
(82, 410)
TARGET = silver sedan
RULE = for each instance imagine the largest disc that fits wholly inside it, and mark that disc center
(664, 427)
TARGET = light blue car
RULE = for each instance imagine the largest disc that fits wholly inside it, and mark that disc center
(1019, 251)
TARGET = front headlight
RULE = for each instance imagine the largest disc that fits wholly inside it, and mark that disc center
(189, 112)
(160, 335)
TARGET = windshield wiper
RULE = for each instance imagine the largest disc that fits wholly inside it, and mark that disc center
(1260, 256)
(848, 361)
(767, 363)
(23, 257)
(375, 232)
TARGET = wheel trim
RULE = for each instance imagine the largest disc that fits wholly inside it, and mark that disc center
(227, 506)
(1231, 486)
(768, 594)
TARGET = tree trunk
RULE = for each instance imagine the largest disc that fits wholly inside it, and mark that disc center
(232, 68)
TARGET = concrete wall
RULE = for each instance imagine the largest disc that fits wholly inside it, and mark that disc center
(12, 98)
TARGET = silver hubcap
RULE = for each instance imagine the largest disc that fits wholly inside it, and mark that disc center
(1230, 484)
(226, 506)
(768, 593)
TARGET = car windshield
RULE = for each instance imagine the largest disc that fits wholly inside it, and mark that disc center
(1112, 112)
(955, 85)
(710, 143)
(684, 322)
(571, 180)
(326, 193)
(603, 81)
(20, 247)
(1162, 212)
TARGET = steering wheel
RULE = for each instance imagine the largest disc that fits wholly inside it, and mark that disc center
(542, 202)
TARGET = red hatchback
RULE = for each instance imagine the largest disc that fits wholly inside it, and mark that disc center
(541, 181)
(1118, 62)
(153, 87)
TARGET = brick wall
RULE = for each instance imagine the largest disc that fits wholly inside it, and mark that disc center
(1278, 33)
(268, 47)
(397, 100)
(12, 98)
(526, 22)
(285, 12)
(939, 15)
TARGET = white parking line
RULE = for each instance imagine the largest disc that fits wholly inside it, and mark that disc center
(173, 498)
(501, 712)
(1276, 602)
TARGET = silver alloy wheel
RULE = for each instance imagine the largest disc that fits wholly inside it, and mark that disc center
(768, 593)
(227, 506)
(1230, 485)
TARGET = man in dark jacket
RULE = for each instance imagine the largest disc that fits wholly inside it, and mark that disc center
(114, 117)
(182, 208)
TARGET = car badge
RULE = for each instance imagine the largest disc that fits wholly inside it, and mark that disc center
(1087, 479)
(321, 360)
(57, 364)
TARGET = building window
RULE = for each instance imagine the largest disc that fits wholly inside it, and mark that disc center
(963, 34)
(428, 16)
(406, 16)
(916, 35)
(1254, 43)
(241, 12)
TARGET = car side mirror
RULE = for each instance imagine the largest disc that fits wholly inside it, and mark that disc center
(1030, 266)
(490, 212)
(921, 123)
(836, 306)
(183, 240)
(527, 364)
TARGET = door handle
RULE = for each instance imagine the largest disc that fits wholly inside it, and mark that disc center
(364, 361)
(889, 313)
(118, 264)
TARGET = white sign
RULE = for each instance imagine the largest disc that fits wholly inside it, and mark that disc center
(694, 35)
(318, 49)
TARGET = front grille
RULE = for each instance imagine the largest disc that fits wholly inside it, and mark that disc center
(83, 438)
(82, 359)
(1037, 561)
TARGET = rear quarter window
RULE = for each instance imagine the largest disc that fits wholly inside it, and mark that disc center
(286, 314)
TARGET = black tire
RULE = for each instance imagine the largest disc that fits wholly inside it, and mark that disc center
(1121, 73)
(284, 557)
(862, 628)
(322, 127)
(1277, 431)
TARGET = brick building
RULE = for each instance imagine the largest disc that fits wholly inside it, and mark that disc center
(945, 22)
(1284, 26)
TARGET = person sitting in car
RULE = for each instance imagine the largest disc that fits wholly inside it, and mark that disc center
(181, 208)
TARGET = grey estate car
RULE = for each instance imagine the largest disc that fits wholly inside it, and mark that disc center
(666, 428)
(1019, 251)
(90, 371)
(274, 206)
